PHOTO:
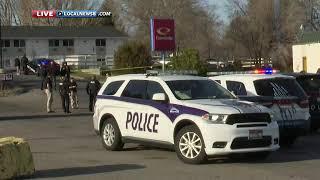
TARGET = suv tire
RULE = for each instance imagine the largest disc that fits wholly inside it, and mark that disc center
(111, 136)
(189, 145)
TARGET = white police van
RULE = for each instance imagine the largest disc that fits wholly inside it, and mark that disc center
(195, 115)
(281, 93)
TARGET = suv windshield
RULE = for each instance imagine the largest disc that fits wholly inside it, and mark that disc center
(310, 84)
(278, 87)
(198, 89)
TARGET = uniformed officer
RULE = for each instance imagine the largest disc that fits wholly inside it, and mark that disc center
(73, 93)
(64, 93)
(65, 71)
(93, 87)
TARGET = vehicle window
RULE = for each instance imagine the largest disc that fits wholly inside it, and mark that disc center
(153, 88)
(135, 89)
(278, 87)
(112, 88)
(311, 84)
(218, 81)
(198, 89)
(237, 88)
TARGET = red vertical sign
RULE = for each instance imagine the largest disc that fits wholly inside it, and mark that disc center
(162, 34)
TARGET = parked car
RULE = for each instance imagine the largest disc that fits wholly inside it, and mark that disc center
(194, 115)
(38, 64)
(282, 94)
(311, 84)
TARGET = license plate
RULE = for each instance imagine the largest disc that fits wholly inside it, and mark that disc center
(255, 134)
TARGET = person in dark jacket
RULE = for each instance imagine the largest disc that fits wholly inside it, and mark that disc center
(47, 86)
(17, 65)
(64, 93)
(65, 71)
(93, 87)
(24, 64)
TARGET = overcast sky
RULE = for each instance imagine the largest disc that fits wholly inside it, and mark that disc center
(221, 8)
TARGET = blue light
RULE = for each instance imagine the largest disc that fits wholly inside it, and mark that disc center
(268, 71)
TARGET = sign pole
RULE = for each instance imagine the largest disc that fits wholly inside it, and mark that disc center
(163, 61)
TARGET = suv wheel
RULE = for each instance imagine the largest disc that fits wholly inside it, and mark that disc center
(189, 145)
(111, 136)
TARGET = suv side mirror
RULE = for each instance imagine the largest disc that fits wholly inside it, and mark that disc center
(161, 97)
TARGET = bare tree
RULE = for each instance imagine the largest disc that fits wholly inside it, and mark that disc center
(253, 26)
(8, 12)
(195, 26)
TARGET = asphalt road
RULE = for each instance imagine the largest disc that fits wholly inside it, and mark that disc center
(65, 147)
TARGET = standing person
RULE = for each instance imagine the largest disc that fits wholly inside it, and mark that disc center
(65, 70)
(52, 71)
(24, 63)
(64, 93)
(17, 65)
(73, 94)
(43, 74)
(47, 86)
(93, 87)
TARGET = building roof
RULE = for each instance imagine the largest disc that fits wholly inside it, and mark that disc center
(309, 37)
(48, 32)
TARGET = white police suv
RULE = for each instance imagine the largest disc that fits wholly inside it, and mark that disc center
(281, 93)
(195, 115)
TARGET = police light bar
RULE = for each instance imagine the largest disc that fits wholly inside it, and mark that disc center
(152, 73)
(256, 71)
(171, 72)
(181, 72)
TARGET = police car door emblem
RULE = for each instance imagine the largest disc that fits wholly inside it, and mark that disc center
(174, 110)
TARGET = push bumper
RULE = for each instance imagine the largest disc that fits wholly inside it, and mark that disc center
(221, 139)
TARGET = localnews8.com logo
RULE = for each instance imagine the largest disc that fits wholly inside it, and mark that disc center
(69, 14)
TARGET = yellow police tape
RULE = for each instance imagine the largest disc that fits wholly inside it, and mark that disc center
(15, 158)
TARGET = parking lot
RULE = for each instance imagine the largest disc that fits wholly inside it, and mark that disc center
(66, 147)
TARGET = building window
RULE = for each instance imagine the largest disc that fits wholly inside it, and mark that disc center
(101, 60)
(100, 42)
(53, 43)
(67, 42)
(5, 43)
(19, 43)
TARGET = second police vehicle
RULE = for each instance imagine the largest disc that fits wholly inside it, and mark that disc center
(281, 93)
(194, 115)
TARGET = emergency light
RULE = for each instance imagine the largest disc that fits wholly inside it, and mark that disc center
(256, 71)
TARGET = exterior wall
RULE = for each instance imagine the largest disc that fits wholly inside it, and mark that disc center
(84, 53)
(84, 46)
(311, 52)
(37, 48)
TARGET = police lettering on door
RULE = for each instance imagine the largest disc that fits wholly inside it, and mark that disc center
(142, 121)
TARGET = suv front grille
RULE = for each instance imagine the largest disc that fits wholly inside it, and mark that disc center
(248, 118)
(245, 143)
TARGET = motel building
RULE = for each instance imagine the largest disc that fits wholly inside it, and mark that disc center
(83, 47)
(305, 53)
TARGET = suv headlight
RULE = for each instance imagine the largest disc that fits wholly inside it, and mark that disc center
(215, 118)
(272, 117)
